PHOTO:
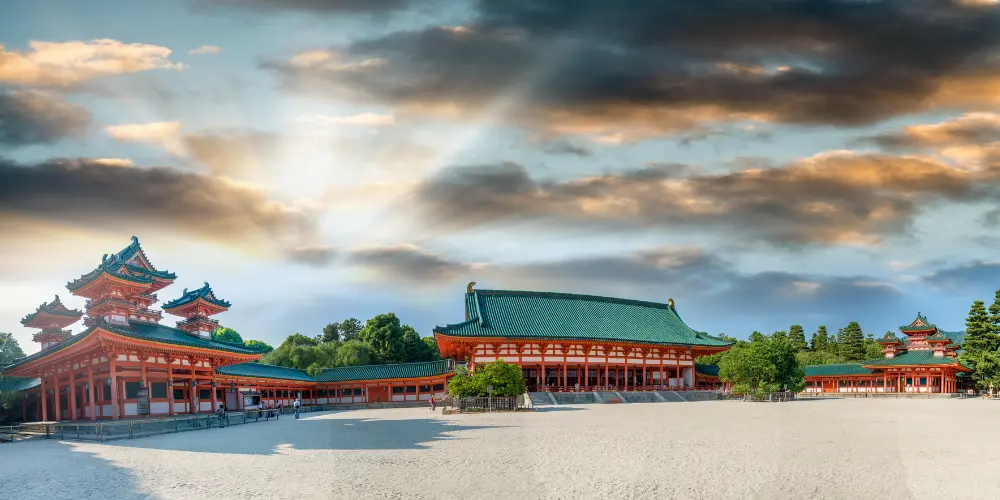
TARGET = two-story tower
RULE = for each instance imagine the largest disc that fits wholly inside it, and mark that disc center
(195, 307)
(52, 318)
(122, 288)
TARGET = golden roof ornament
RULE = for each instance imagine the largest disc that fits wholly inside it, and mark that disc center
(670, 302)
(468, 288)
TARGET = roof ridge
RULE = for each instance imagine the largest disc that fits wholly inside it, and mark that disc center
(577, 296)
(387, 364)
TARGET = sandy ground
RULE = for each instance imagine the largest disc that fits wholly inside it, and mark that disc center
(828, 449)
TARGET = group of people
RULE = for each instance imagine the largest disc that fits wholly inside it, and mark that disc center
(267, 410)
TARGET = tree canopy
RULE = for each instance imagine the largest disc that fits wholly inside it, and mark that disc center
(506, 379)
(763, 366)
(9, 349)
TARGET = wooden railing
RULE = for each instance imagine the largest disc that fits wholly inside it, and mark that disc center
(631, 388)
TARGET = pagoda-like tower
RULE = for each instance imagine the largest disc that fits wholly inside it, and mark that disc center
(122, 287)
(921, 335)
(195, 307)
(52, 318)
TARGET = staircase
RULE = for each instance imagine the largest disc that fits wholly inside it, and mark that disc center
(541, 399)
(640, 397)
(598, 397)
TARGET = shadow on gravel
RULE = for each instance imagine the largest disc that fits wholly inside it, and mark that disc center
(546, 409)
(51, 469)
(309, 433)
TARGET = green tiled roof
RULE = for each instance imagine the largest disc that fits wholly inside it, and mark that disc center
(116, 265)
(205, 293)
(55, 308)
(146, 331)
(921, 318)
(938, 336)
(922, 357)
(889, 337)
(546, 315)
(14, 384)
(261, 370)
(168, 335)
(378, 372)
(841, 369)
(711, 370)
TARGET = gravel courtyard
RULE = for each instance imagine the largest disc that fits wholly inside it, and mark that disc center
(829, 449)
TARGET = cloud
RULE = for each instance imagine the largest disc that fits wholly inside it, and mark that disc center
(252, 154)
(833, 198)
(982, 275)
(407, 262)
(67, 64)
(328, 7)
(699, 276)
(164, 134)
(363, 119)
(32, 117)
(114, 162)
(967, 129)
(643, 69)
(563, 147)
(313, 255)
(75, 192)
(205, 49)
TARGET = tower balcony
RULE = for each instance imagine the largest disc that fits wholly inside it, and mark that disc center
(198, 320)
(146, 314)
(108, 301)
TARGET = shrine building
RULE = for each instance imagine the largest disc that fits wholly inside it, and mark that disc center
(924, 360)
(570, 342)
(125, 364)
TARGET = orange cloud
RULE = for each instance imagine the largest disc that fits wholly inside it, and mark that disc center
(65, 64)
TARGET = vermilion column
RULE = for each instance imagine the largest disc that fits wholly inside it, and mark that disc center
(72, 395)
(90, 390)
(58, 399)
(45, 406)
(170, 385)
(113, 378)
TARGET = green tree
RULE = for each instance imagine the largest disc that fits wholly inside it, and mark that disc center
(851, 342)
(432, 348)
(507, 380)
(995, 314)
(780, 335)
(979, 332)
(354, 353)
(384, 335)
(9, 349)
(797, 336)
(331, 333)
(820, 339)
(986, 368)
(349, 329)
(873, 350)
(416, 349)
(259, 344)
(225, 334)
(756, 337)
(761, 368)
(821, 357)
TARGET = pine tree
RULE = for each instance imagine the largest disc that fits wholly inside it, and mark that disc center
(851, 341)
(994, 336)
(979, 334)
(820, 339)
(797, 336)
(756, 337)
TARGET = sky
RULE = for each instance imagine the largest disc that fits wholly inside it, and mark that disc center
(762, 163)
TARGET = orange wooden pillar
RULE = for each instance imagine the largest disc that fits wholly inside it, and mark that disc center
(72, 395)
(45, 412)
(170, 385)
(58, 399)
(113, 380)
(90, 391)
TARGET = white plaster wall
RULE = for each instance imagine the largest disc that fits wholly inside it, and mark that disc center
(159, 407)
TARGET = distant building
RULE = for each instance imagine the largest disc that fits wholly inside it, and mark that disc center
(923, 361)
(568, 342)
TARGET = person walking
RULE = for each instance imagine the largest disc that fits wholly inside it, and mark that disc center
(222, 415)
(277, 411)
(296, 404)
(432, 402)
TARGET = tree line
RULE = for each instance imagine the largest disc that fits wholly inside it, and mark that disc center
(981, 347)
(381, 340)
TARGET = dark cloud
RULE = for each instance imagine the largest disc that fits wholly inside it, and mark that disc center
(834, 198)
(699, 280)
(28, 117)
(978, 275)
(407, 262)
(972, 129)
(316, 255)
(95, 193)
(567, 148)
(643, 68)
(320, 7)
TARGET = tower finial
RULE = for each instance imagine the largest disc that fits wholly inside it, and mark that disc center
(468, 288)
(206, 285)
(670, 302)
(135, 240)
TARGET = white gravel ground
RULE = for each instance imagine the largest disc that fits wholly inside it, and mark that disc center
(825, 449)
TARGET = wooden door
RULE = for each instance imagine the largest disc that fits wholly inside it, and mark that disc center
(378, 394)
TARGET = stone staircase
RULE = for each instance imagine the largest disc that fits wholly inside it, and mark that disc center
(671, 397)
(541, 399)
(606, 395)
(574, 398)
(640, 397)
